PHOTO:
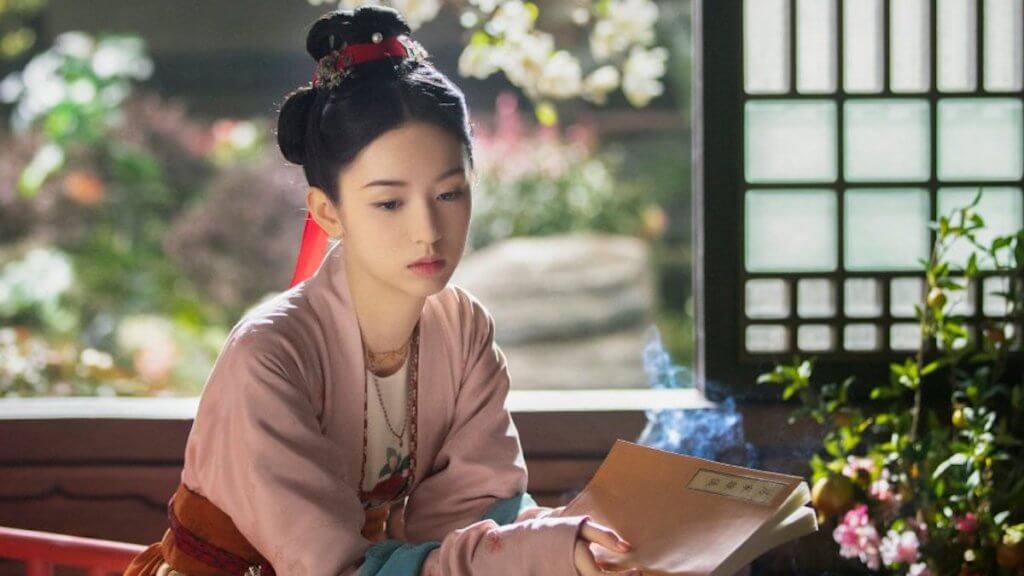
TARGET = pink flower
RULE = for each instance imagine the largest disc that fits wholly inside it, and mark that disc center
(885, 491)
(856, 465)
(882, 489)
(899, 547)
(967, 523)
(858, 538)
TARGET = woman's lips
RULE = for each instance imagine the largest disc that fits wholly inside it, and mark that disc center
(428, 269)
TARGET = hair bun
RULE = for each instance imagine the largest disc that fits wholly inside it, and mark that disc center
(292, 124)
(333, 29)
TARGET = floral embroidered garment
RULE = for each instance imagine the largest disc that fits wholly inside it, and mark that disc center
(278, 437)
(387, 471)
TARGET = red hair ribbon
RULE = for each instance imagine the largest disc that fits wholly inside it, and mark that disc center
(314, 239)
(358, 53)
(311, 252)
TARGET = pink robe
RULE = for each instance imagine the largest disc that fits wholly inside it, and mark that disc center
(277, 443)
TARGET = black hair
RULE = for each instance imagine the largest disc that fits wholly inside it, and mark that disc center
(323, 129)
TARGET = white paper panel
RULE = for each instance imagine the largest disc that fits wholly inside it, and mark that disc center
(862, 46)
(904, 337)
(766, 338)
(994, 304)
(766, 46)
(957, 45)
(1004, 48)
(904, 294)
(767, 298)
(862, 298)
(909, 34)
(861, 337)
(980, 139)
(1002, 209)
(791, 230)
(887, 140)
(886, 229)
(788, 141)
(816, 298)
(815, 338)
(816, 46)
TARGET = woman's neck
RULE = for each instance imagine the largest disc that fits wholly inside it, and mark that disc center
(386, 317)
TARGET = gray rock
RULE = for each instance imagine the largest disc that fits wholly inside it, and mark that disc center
(569, 310)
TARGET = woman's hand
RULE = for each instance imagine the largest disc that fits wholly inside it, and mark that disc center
(591, 531)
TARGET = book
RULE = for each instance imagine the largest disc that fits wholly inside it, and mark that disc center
(688, 516)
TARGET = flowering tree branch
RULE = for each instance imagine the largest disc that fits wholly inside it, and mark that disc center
(502, 36)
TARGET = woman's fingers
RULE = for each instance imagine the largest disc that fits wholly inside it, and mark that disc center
(586, 565)
(603, 535)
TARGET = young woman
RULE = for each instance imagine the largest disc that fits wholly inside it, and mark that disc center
(357, 423)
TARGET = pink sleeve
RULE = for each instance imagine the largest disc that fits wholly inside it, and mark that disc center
(257, 453)
(480, 463)
(539, 512)
(481, 460)
(539, 547)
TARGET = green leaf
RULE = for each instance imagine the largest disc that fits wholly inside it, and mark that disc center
(972, 265)
(791, 390)
(957, 459)
(882, 393)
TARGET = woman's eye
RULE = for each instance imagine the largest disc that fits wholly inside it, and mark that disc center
(389, 205)
(452, 195)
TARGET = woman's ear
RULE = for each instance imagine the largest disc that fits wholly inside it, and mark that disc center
(324, 212)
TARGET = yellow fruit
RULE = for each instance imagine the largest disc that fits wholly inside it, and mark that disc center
(936, 298)
(959, 419)
(832, 495)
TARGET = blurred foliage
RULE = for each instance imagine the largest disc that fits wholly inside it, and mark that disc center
(153, 232)
(541, 183)
(17, 35)
(104, 278)
(921, 488)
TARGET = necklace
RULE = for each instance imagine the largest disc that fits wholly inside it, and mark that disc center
(377, 360)
(411, 404)
(387, 419)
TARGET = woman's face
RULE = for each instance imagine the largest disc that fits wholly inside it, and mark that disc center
(406, 196)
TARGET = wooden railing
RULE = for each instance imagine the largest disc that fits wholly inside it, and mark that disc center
(42, 551)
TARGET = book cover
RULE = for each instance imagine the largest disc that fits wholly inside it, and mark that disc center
(688, 516)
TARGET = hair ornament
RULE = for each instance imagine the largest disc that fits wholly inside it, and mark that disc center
(337, 65)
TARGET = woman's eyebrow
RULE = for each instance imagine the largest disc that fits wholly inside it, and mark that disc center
(449, 172)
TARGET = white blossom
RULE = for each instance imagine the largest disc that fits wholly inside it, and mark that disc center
(121, 57)
(641, 73)
(599, 83)
(485, 6)
(478, 61)
(82, 91)
(561, 76)
(417, 12)
(627, 22)
(523, 59)
(511, 18)
(43, 275)
(74, 44)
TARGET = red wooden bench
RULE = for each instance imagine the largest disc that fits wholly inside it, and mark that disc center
(41, 551)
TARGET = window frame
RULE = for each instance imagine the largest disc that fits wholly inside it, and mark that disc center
(722, 366)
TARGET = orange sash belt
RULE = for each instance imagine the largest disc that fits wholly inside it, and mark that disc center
(203, 541)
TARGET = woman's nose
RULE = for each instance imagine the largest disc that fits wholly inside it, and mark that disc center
(427, 229)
